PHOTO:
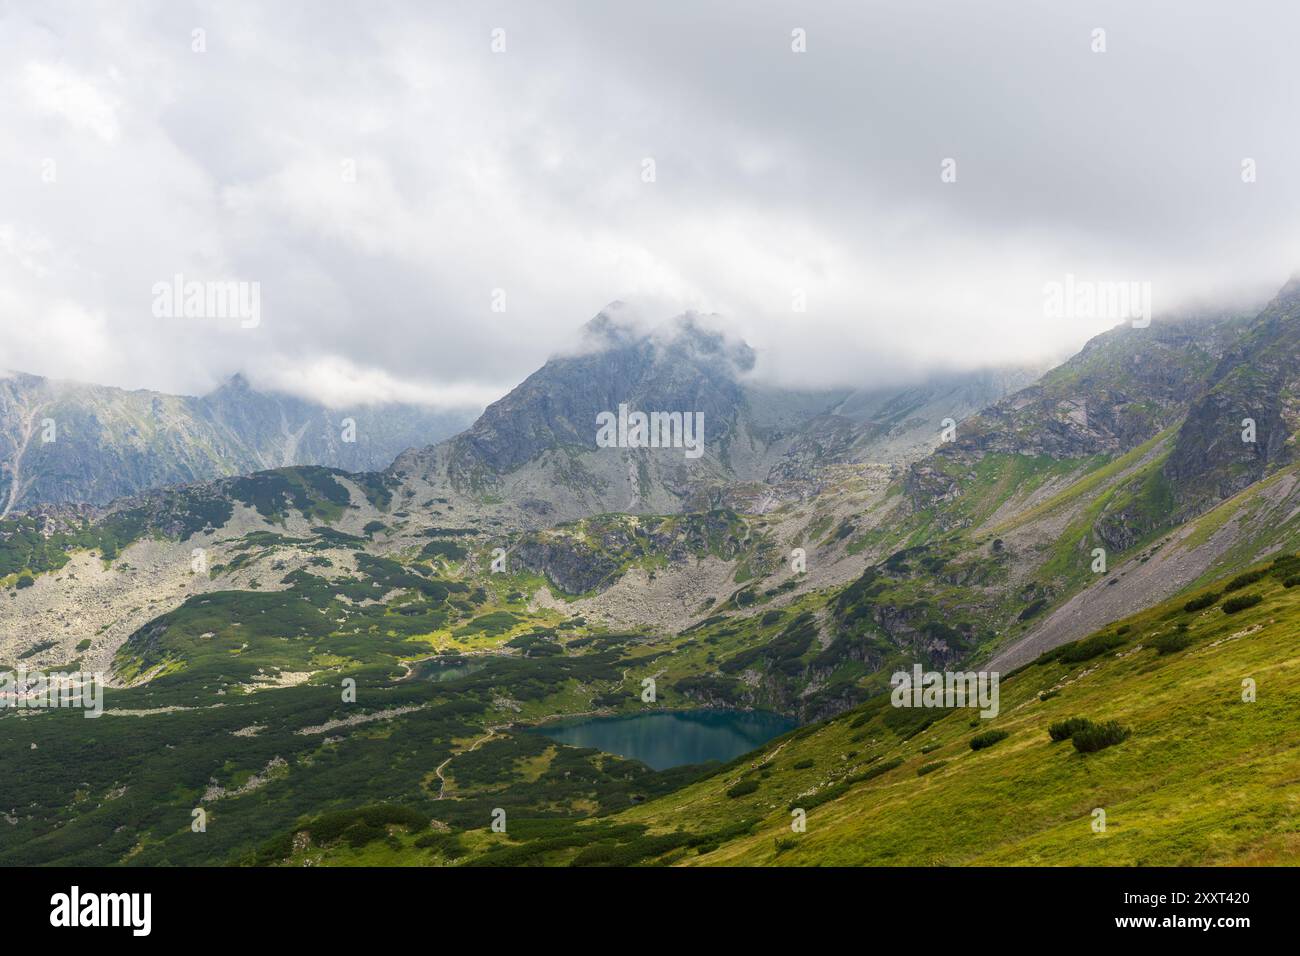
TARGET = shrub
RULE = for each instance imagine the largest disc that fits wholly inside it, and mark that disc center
(1243, 580)
(930, 767)
(1065, 729)
(1096, 737)
(275, 849)
(363, 833)
(802, 765)
(930, 748)
(987, 739)
(1202, 602)
(444, 843)
(743, 788)
(1172, 643)
(1292, 581)
(25, 580)
(1049, 694)
(1033, 609)
(364, 824)
(1233, 605)
(1085, 650)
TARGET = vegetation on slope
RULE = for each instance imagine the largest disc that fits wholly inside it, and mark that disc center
(1184, 768)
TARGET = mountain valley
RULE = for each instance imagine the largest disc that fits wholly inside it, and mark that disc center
(1055, 533)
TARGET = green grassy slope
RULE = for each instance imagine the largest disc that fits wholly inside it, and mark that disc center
(1204, 778)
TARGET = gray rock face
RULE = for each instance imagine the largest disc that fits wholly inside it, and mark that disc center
(572, 568)
(1122, 389)
(539, 442)
(1253, 393)
(688, 368)
(591, 554)
(64, 442)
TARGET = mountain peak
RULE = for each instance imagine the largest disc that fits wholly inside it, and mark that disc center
(615, 325)
(237, 383)
(691, 336)
(1289, 293)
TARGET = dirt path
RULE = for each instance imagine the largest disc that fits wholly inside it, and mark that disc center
(492, 732)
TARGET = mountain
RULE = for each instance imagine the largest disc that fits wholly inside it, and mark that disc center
(1255, 387)
(539, 445)
(1120, 390)
(64, 442)
(1098, 538)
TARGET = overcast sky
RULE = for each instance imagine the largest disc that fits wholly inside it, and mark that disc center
(126, 157)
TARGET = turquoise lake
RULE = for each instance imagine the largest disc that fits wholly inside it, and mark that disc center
(666, 739)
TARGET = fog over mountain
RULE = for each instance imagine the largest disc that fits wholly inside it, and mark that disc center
(430, 207)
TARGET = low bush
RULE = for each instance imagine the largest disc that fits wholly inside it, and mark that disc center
(275, 850)
(1243, 580)
(442, 842)
(1171, 643)
(743, 788)
(364, 824)
(1076, 652)
(1096, 737)
(1233, 605)
(987, 739)
(1202, 602)
(930, 767)
(1065, 729)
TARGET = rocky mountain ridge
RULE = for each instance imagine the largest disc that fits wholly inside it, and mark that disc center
(66, 442)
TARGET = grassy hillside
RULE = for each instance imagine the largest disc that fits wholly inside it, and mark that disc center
(1203, 777)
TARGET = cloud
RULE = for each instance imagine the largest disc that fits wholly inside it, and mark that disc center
(339, 383)
(53, 89)
(388, 180)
